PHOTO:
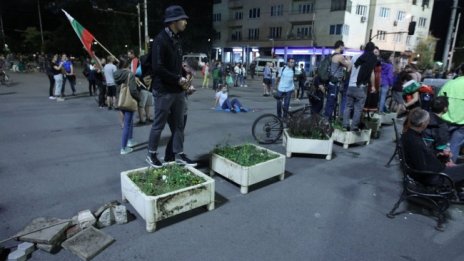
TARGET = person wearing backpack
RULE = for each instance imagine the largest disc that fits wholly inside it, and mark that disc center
(285, 87)
(337, 63)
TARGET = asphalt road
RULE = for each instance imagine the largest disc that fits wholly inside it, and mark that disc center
(58, 158)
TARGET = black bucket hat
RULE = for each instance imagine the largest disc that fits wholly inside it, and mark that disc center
(174, 13)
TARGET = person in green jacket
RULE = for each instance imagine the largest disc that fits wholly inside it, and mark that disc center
(454, 90)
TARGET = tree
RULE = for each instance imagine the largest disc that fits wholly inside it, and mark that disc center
(426, 51)
(32, 40)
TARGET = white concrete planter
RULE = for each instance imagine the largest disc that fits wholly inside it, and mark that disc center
(386, 119)
(307, 146)
(351, 137)
(374, 126)
(156, 208)
(247, 176)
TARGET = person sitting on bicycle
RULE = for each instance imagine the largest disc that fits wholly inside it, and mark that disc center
(223, 102)
(285, 87)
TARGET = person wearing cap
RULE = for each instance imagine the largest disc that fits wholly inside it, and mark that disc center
(169, 83)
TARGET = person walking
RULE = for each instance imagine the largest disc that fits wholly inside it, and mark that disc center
(205, 71)
(301, 83)
(169, 83)
(57, 68)
(285, 87)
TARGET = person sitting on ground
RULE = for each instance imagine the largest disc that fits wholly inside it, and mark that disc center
(222, 101)
(419, 157)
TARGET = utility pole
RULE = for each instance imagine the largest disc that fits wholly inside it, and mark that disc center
(40, 23)
(3, 32)
(140, 31)
(454, 42)
(448, 37)
(147, 39)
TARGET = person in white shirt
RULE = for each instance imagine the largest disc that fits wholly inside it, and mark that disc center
(223, 102)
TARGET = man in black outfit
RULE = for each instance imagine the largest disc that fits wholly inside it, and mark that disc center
(418, 156)
(169, 85)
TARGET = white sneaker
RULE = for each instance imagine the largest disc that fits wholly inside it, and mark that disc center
(126, 150)
(131, 143)
(60, 99)
(52, 98)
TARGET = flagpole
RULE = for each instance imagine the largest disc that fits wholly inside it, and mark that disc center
(104, 48)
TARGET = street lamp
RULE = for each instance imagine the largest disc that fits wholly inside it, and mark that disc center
(272, 50)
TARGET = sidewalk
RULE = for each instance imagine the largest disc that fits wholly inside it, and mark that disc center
(58, 158)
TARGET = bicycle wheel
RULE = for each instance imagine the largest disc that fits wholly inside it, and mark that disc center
(267, 129)
(391, 104)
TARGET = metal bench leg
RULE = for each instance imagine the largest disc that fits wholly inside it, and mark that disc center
(392, 157)
(391, 214)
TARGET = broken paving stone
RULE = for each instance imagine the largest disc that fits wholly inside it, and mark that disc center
(88, 243)
(86, 219)
(101, 209)
(26, 247)
(50, 231)
(71, 231)
(120, 214)
(48, 248)
(106, 218)
(17, 255)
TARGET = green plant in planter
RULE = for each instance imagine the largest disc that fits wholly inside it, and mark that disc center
(244, 155)
(154, 182)
(309, 126)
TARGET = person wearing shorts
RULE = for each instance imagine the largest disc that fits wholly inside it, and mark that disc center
(111, 94)
(145, 106)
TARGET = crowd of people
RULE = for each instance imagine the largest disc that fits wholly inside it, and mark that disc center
(342, 91)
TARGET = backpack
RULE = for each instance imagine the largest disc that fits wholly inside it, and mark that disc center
(324, 69)
(282, 71)
(145, 63)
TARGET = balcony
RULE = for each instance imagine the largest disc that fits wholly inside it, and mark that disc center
(234, 4)
(234, 23)
(296, 17)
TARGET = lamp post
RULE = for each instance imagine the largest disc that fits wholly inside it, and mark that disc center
(40, 23)
(272, 50)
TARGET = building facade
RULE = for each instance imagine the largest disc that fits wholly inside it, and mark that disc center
(247, 29)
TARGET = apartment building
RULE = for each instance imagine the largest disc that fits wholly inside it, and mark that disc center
(308, 28)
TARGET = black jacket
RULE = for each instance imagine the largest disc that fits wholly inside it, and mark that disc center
(166, 62)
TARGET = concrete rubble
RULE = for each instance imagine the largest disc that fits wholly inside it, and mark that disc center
(88, 243)
(77, 234)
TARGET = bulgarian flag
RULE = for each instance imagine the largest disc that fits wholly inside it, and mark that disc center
(84, 35)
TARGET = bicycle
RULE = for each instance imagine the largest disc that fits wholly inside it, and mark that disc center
(268, 128)
(4, 78)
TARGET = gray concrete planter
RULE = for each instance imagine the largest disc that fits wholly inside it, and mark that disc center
(156, 208)
(351, 137)
(247, 176)
(307, 146)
